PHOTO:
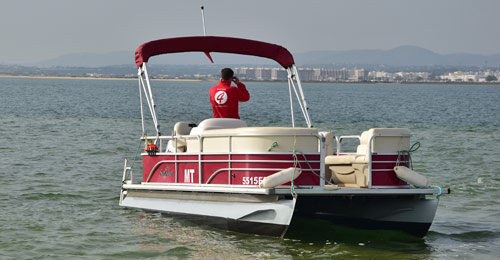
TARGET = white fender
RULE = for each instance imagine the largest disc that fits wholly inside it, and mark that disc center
(280, 177)
(410, 176)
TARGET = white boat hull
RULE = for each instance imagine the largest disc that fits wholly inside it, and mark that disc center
(272, 214)
(254, 214)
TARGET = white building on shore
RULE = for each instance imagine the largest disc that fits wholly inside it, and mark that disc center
(460, 76)
(355, 75)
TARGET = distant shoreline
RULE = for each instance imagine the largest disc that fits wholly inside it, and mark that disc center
(89, 78)
(212, 80)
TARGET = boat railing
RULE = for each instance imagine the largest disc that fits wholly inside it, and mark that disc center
(167, 145)
(128, 174)
(339, 139)
(162, 141)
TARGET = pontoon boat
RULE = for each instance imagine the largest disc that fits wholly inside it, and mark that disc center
(224, 173)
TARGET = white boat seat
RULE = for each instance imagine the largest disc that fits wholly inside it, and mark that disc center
(217, 123)
(351, 170)
(328, 142)
(179, 144)
(398, 139)
(183, 128)
(345, 159)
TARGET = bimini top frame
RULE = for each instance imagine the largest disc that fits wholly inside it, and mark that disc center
(208, 44)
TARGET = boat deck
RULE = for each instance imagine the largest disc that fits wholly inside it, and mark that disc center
(328, 190)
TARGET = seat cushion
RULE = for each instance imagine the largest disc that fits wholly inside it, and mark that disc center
(386, 140)
(345, 159)
(365, 136)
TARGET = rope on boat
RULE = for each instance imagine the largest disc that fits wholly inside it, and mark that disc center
(295, 163)
(317, 174)
(136, 152)
(407, 154)
(292, 185)
(135, 156)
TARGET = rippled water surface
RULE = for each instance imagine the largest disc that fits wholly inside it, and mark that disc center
(63, 143)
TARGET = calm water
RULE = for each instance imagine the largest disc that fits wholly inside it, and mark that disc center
(63, 143)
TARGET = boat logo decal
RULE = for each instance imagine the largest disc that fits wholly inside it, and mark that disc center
(188, 175)
(220, 97)
(166, 172)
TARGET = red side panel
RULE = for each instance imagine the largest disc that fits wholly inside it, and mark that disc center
(385, 176)
(211, 166)
(215, 168)
(163, 172)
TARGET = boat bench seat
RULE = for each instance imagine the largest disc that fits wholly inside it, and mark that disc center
(257, 139)
(179, 144)
(351, 170)
(216, 132)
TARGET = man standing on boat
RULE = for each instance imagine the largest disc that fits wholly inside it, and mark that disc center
(224, 97)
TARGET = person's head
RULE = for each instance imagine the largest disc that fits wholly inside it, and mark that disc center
(226, 74)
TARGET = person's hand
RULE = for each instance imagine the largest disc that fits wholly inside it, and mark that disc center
(236, 80)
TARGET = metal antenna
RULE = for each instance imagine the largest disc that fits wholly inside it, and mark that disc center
(203, 19)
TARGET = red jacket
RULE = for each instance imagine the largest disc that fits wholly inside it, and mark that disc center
(224, 99)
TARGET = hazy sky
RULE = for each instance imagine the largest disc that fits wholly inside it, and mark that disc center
(34, 30)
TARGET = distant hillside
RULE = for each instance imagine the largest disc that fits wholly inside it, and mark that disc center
(90, 59)
(127, 57)
(400, 56)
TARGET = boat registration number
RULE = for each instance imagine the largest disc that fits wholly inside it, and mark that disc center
(255, 180)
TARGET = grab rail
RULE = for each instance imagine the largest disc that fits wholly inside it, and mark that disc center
(339, 140)
(162, 139)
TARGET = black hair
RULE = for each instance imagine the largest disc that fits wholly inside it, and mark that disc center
(226, 73)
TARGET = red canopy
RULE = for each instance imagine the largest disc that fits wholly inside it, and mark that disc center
(209, 44)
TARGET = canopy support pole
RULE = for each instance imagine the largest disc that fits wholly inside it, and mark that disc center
(140, 100)
(294, 74)
(146, 87)
(290, 82)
